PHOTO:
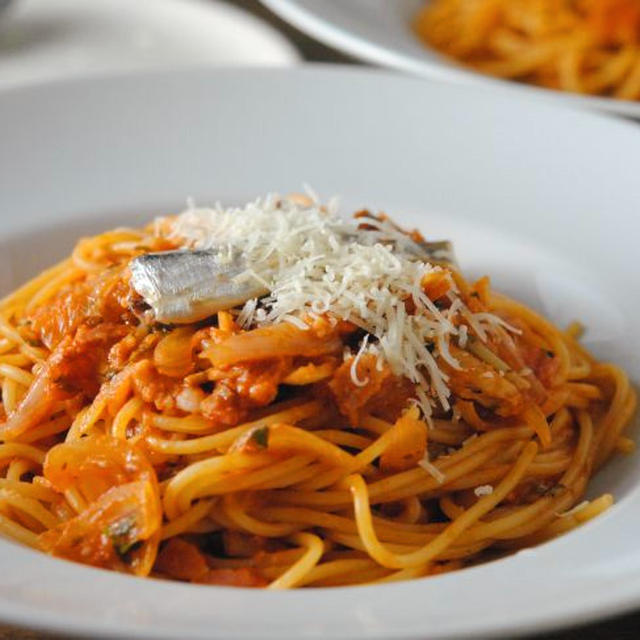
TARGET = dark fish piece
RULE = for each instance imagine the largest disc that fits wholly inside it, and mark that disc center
(189, 285)
(438, 251)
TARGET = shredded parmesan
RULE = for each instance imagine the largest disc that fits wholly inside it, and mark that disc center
(463, 335)
(354, 365)
(483, 490)
(432, 470)
(313, 262)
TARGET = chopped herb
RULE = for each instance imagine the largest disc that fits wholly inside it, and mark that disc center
(121, 533)
(547, 488)
(252, 440)
(260, 437)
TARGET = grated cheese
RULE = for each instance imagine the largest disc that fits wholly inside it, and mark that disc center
(313, 262)
(483, 490)
(354, 365)
(463, 335)
(432, 470)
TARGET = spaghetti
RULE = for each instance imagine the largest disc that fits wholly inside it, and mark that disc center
(252, 450)
(582, 46)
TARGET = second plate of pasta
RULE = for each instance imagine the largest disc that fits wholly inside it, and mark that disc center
(585, 52)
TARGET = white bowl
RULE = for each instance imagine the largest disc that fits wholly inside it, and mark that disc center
(543, 198)
(380, 31)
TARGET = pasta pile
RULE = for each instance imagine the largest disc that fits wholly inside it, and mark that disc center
(582, 46)
(217, 454)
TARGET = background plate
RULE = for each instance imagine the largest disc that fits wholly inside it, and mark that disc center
(380, 31)
(47, 39)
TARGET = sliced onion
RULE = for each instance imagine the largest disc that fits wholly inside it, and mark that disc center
(173, 355)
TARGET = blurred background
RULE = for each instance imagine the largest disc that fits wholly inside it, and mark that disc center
(44, 40)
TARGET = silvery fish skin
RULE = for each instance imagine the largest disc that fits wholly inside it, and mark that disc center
(439, 251)
(185, 286)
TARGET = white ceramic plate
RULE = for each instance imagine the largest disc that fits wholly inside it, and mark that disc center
(46, 39)
(379, 31)
(543, 198)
